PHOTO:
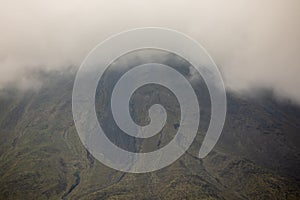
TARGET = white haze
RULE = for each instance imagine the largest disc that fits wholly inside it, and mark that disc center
(256, 43)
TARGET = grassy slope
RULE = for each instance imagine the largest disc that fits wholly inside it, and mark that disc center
(41, 156)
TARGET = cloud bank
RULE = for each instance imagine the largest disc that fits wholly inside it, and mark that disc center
(255, 43)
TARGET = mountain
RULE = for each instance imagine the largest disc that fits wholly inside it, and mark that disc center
(41, 156)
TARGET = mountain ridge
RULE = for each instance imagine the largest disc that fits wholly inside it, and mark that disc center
(257, 156)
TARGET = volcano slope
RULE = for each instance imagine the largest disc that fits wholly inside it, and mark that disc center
(41, 156)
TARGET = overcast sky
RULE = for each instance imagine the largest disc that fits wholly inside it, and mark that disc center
(254, 42)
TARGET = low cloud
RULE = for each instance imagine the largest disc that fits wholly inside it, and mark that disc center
(255, 43)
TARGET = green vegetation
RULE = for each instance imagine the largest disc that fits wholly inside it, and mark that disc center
(41, 156)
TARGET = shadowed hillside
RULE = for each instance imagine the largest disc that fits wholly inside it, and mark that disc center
(41, 156)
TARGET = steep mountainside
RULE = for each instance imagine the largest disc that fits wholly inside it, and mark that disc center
(41, 156)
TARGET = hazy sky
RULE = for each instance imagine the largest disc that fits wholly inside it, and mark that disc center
(254, 42)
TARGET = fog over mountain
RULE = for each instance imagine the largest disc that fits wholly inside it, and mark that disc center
(255, 43)
(42, 157)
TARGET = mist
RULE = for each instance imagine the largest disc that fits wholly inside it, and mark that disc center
(254, 43)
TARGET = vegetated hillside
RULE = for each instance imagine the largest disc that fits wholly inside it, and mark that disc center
(41, 156)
